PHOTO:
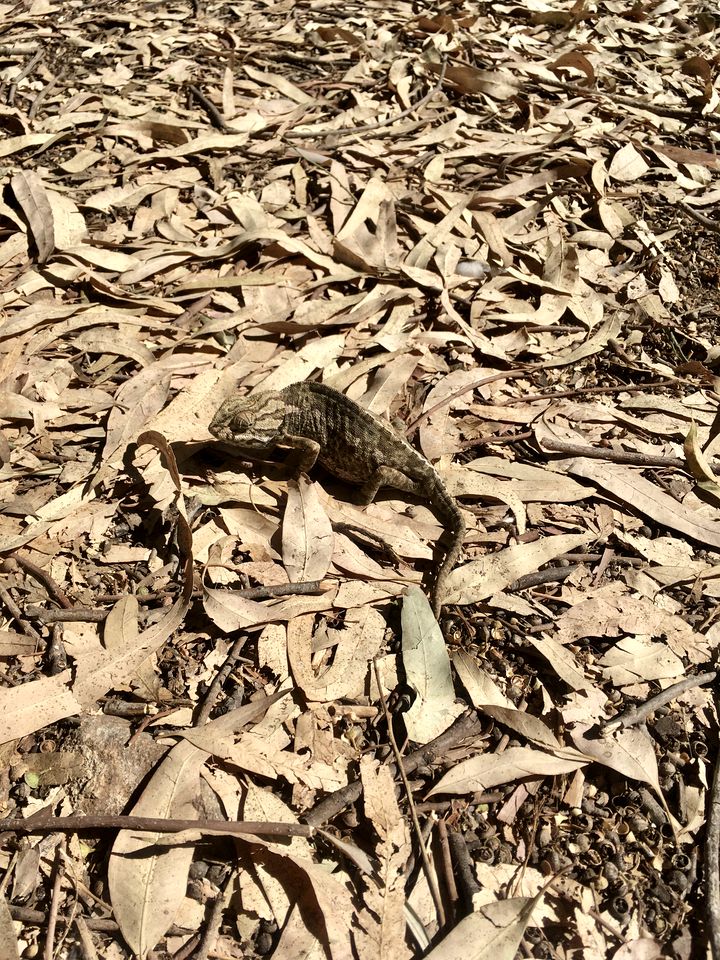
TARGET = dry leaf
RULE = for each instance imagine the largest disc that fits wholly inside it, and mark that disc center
(32, 196)
(493, 932)
(482, 578)
(306, 534)
(427, 669)
(147, 887)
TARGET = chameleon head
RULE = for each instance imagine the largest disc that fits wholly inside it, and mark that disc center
(254, 422)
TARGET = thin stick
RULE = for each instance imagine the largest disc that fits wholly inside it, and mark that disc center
(58, 874)
(37, 918)
(616, 456)
(712, 864)
(212, 924)
(46, 824)
(429, 875)
(699, 217)
(15, 612)
(219, 679)
(635, 715)
(585, 391)
(44, 578)
(465, 727)
(212, 111)
(367, 127)
(501, 375)
(91, 615)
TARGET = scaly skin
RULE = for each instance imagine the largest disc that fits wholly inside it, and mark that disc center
(324, 425)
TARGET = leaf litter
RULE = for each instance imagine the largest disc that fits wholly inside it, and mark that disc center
(494, 227)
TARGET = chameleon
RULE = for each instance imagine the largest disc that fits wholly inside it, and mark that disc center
(323, 425)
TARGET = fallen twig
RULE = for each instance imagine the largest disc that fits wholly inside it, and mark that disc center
(635, 715)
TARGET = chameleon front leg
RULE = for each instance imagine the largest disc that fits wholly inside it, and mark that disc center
(304, 453)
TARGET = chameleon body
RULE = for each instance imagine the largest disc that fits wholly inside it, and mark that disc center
(325, 426)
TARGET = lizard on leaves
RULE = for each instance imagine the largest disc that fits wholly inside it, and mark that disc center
(324, 425)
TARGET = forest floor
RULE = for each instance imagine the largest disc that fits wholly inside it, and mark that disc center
(495, 225)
